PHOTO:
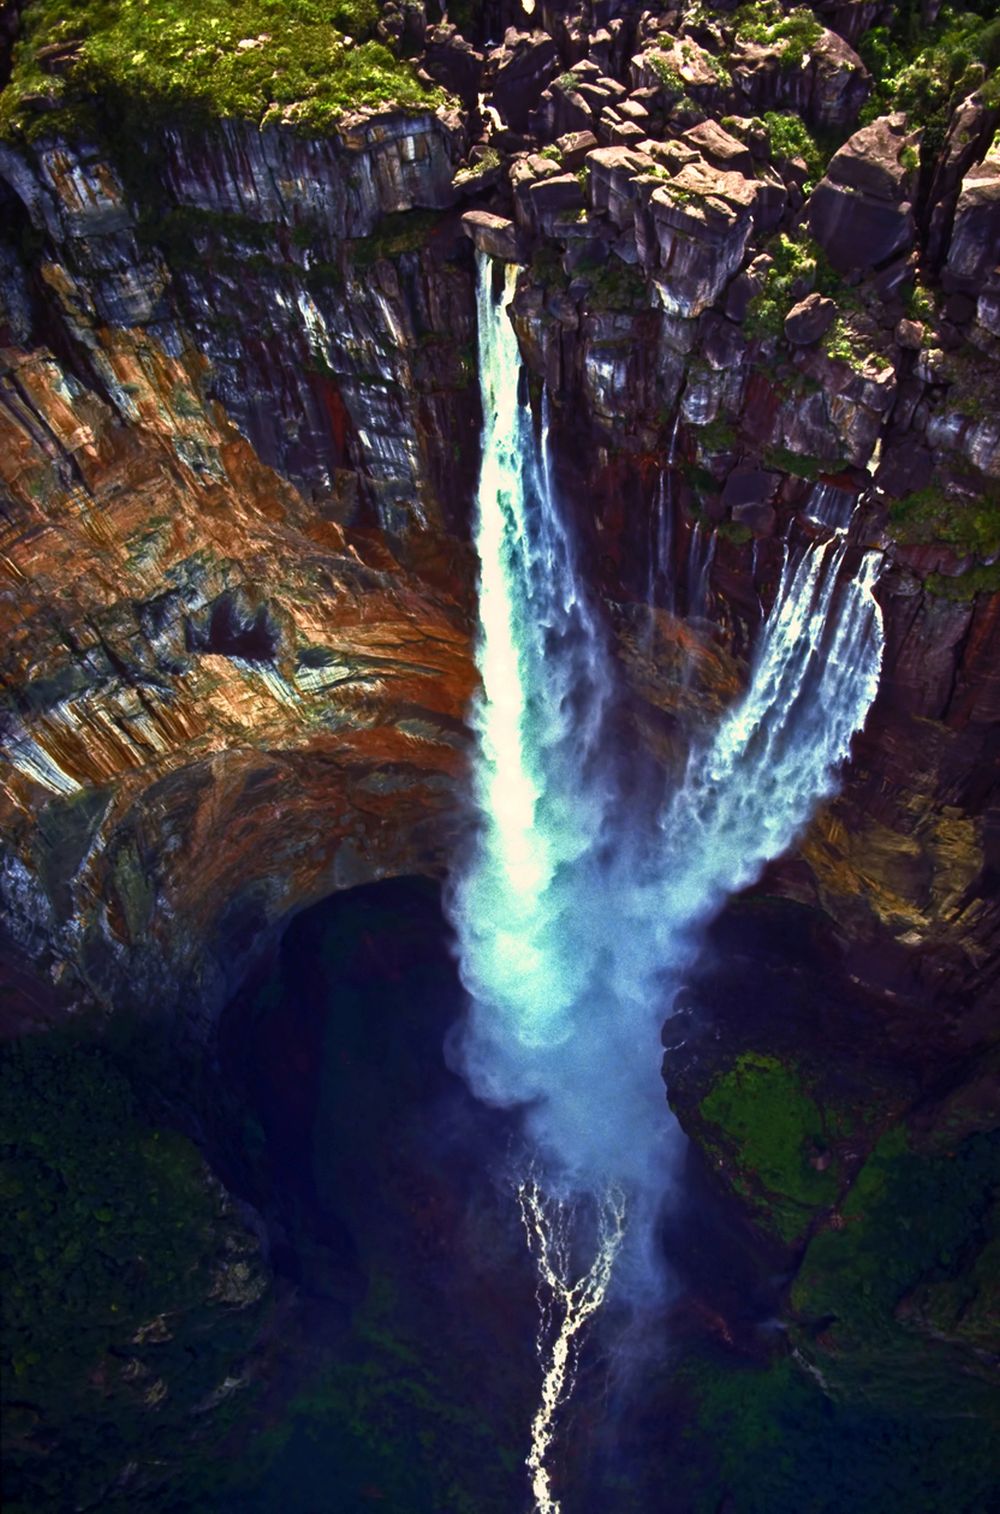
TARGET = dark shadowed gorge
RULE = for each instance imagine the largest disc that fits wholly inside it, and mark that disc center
(705, 299)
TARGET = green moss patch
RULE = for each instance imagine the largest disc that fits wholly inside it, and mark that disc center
(909, 1218)
(960, 507)
(927, 70)
(793, 32)
(899, 1296)
(408, 231)
(305, 61)
(791, 138)
(615, 286)
(967, 519)
(772, 1131)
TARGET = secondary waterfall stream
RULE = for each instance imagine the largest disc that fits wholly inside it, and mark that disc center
(575, 923)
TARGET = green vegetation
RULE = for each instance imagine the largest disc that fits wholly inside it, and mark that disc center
(904, 1278)
(927, 70)
(386, 1417)
(843, 343)
(791, 138)
(303, 61)
(764, 1439)
(981, 579)
(800, 466)
(409, 231)
(799, 266)
(486, 164)
(735, 531)
(793, 32)
(546, 267)
(615, 285)
(968, 522)
(130, 1294)
(966, 519)
(716, 436)
(666, 72)
(792, 274)
(184, 232)
(773, 1132)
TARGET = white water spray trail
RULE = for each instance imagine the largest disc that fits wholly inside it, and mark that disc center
(540, 793)
(564, 1307)
(748, 794)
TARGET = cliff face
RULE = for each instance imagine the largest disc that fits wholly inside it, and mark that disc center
(206, 655)
(241, 432)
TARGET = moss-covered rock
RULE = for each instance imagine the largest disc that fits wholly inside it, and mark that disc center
(901, 1285)
(763, 1125)
(304, 61)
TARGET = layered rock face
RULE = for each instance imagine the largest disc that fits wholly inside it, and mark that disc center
(207, 659)
(241, 433)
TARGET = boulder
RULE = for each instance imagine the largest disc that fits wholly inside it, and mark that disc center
(553, 198)
(561, 110)
(970, 132)
(492, 234)
(520, 70)
(574, 148)
(525, 173)
(676, 66)
(749, 486)
(623, 133)
(810, 319)
(697, 231)
(904, 467)
(710, 140)
(612, 175)
(827, 88)
(453, 63)
(910, 335)
(861, 210)
(974, 252)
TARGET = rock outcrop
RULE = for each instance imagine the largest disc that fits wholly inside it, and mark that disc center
(861, 212)
(196, 654)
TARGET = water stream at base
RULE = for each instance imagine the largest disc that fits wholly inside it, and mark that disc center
(575, 922)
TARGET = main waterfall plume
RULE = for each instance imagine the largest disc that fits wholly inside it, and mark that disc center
(575, 927)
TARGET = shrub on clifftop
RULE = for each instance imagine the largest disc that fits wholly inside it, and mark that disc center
(307, 61)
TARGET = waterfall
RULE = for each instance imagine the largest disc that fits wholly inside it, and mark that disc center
(575, 923)
(701, 553)
(751, 789)
(539, 791)
(659, 574)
